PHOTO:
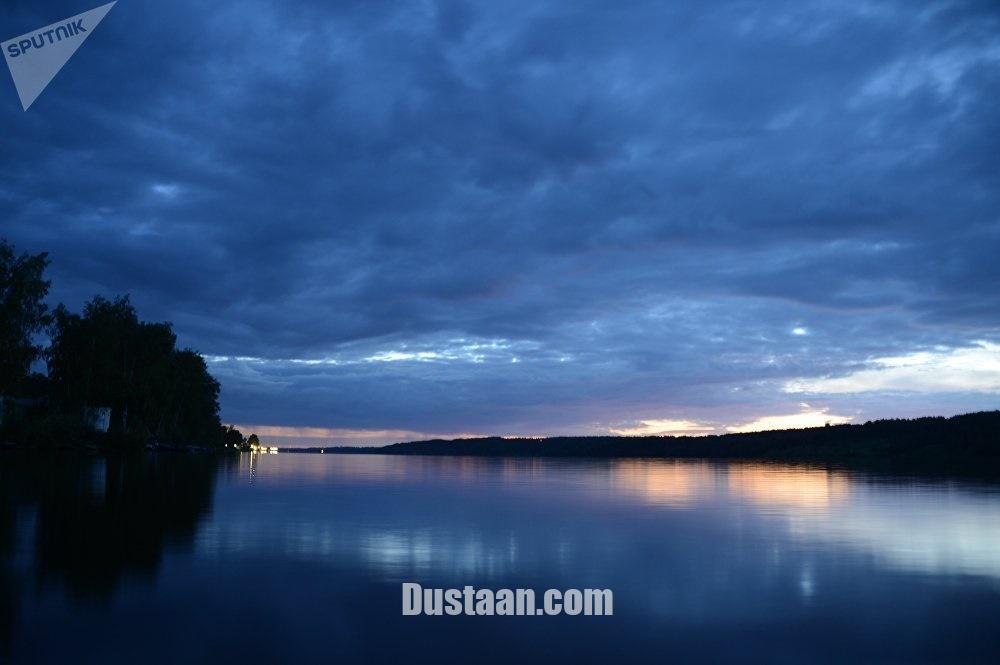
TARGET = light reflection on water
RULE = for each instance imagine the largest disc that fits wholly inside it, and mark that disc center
(931, 527)
(708, 561)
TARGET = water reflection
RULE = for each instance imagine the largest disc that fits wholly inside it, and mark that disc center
(668, 483)
(471, 514)
(782, 487)
(933, 527)
(703, 557)
(679, 484)
(83, 525)
(940, 530)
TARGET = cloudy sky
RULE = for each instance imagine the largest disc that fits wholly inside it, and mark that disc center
(391, 220)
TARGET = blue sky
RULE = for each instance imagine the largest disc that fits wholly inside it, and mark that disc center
(383, 221)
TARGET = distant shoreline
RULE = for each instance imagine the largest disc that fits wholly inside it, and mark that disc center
(965, 445)
(968, 443)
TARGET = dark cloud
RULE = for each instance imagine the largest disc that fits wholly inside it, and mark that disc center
(578, 213)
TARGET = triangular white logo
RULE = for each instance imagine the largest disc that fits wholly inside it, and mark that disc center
(36, 57)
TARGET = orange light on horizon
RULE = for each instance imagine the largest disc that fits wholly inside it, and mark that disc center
(803, 420)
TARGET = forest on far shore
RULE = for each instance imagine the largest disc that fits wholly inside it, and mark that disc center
(967, 444)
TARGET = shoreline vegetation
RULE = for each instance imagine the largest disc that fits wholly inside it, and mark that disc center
(110, 380)
(966, 444)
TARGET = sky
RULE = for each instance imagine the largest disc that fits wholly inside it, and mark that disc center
(383, 221)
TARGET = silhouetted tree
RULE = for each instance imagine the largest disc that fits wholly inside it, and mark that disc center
(232, 437)
(92, 356)
(107, 357)
(22, 313)
(196, 403)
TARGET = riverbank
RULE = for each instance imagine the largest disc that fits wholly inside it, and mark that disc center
(92, 446)
(965, 444)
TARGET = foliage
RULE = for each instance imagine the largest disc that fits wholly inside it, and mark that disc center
(22, 313)
(107, 357)
(233, 438)
(968, 444)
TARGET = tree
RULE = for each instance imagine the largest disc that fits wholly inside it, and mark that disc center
(253, 441)
(107, 357)
(92, 357)
(232, 437)
(22, 313)
(196, 404)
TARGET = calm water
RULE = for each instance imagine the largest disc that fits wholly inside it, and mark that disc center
(284, 558)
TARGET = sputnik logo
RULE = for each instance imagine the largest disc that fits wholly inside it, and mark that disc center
(36, 57)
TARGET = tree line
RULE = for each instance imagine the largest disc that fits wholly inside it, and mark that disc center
(967, 444)
(102, 360)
